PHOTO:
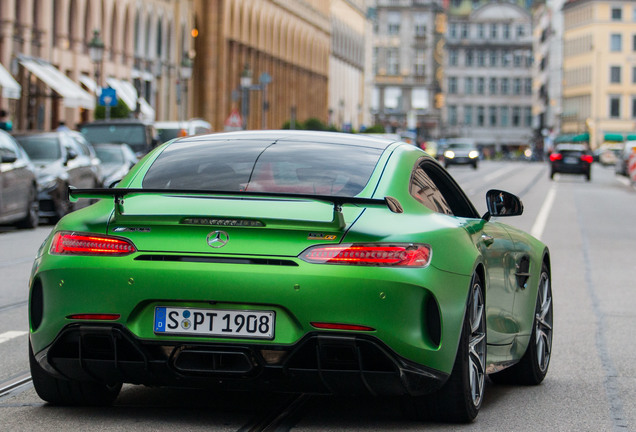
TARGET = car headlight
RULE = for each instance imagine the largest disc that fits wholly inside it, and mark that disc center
(473, 154)
(47, 182)
(449, 154)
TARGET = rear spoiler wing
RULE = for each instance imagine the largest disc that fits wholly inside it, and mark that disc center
(337, 221)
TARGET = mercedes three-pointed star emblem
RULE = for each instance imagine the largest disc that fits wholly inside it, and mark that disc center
(217, 239)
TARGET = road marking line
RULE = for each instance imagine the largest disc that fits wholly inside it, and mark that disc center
(7, 336)
(498, 173)
(542, 217)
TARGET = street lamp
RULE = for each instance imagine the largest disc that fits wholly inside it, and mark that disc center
(246, 84)
(96, 53)
(185, 72)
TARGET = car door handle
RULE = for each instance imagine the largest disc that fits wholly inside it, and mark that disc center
(488, 240)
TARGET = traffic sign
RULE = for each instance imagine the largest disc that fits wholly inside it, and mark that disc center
(234, 121)
(108, 97)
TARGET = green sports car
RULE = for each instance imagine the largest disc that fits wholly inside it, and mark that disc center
(290, 261)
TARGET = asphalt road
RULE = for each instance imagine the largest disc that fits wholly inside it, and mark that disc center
(591, 384)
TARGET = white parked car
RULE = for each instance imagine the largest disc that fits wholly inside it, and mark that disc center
(174, 129)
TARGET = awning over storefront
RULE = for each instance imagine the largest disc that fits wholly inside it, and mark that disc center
(73, 96)
(614, 137)
(127, 92)
(10, 87)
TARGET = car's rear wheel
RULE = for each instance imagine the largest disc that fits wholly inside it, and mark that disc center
(32, 218)
(58, 391)
(460, 399)
(533, 366)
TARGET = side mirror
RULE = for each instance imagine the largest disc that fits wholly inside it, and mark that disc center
(501, 203)
(70, 155)
(8, 158)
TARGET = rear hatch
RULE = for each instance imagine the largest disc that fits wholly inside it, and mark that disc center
(228, 226)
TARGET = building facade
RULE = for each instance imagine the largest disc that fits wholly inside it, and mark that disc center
(407, 55)
(281, 50)
(44, 44)
(488, 74)
(599, 69)
(348, 105)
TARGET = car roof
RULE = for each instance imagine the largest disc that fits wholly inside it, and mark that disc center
(294, 136)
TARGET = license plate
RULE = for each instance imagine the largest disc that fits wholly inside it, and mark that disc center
(570, 160)
(215, 322)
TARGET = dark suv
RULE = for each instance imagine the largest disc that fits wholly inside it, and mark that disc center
(571, 159)
(141, 136)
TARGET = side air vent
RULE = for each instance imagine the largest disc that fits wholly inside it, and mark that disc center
(217, 260)
(523, 272)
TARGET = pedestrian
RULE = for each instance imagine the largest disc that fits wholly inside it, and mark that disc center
(61, 127)
(5, 123)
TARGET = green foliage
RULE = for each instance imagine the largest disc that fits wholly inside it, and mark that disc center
(119, 111)
(378, 128)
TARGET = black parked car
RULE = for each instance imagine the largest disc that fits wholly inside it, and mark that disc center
(18, 185)
(571, 159)
(141, 136)
(116, 161)
(61, 160)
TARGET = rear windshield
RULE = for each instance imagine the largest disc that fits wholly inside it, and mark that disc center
(133, 135)
(41, 148)
(258, 166)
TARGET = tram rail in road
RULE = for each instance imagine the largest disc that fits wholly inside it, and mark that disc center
(14, 385)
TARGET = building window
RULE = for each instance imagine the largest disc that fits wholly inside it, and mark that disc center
(506, 31)
(505, 58)
(469, 57)
(452, 57)
(493, 31)
(452, 85)
(634, 107)
(521, 31)
(614, 107)
(492, 116)
(468, 115)
(480, 86)
(633, 74)
(527, 85)
(493, 57)
(516, 86)
(634, 40)
(452, 115)
(393, 98)
(464, 30)
(505, 86)
(420, 25)
(481, 58)
(617, 14)
(492, 86)
(503, 116)
(452, 30)
(527, 115)
(516, 116)
(616, 42)
(420, 98)
(468, 85)
(374, 60)
(480, 116)
(392, 61)
(615, 74)
(481, 32)
(394, 23)
(420, 62)
(517, 59)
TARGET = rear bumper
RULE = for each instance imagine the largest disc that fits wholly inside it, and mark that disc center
(318, 363)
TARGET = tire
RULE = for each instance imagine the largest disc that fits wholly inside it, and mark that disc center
(460, 399)
(32, 218)
(58, 391)
(533, 366)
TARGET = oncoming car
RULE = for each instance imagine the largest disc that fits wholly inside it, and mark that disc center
(295, 261)
(461, 152)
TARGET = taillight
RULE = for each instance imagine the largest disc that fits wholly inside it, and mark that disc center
(73, 243)
(587, 158)
(383, 255)
(555, 157)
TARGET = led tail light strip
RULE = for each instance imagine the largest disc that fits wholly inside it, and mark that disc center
(386, 255)
(73, 243)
